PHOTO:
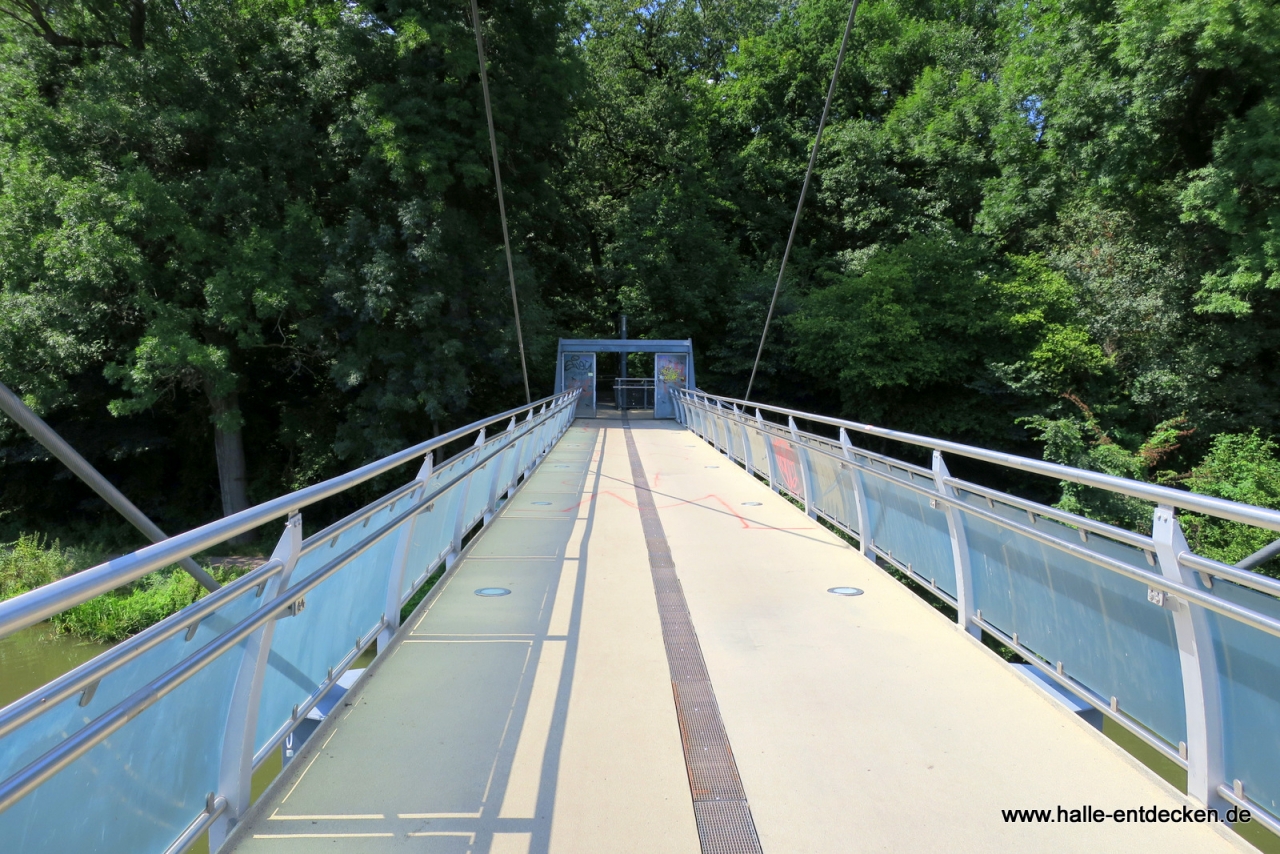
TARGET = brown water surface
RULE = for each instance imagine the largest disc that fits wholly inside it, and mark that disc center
(35, 656)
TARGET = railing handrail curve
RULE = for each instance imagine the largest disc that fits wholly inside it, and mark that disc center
(37, 605)
(1207, 504)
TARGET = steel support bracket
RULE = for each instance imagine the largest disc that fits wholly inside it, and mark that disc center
(235, 771)
(1200, 682)
(959, 550)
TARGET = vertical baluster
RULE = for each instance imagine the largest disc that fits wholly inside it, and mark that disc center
(235, 771)
(859, 497)
(748, 456)
(460, 519)
(400, 563)
(959, 550)
(769, 456)
(802, 458)
(1201, 689)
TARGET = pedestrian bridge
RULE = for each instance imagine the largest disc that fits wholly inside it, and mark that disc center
(632, 644)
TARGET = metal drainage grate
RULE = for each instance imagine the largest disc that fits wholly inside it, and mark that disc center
(541, 503)
(751, 504)
(845, 591)
(492, 591)
(720, 806)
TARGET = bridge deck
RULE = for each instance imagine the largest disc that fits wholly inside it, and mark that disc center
(544, 721)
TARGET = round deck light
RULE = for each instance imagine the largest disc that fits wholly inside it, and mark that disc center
(845, 591)
(492, 591)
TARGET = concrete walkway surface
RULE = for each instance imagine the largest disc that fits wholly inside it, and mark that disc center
(544, 721)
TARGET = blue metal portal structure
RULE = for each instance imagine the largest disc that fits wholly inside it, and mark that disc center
(576, 367)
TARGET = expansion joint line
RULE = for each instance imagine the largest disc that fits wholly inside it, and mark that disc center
(502, 205)
(720, 807)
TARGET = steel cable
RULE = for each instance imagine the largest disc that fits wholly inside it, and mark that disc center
(808, 174)
(502, 207)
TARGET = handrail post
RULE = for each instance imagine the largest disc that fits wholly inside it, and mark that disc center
(493, 482)
(769, 456)
(528, 437)
(802, 458)
(235, 772)
(1201, 689)
(460, 520)
(400, 563)
(959, 550)
(864, 518)
(748, 455)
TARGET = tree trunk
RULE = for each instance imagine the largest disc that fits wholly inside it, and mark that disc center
(138, 25)
(228, 443)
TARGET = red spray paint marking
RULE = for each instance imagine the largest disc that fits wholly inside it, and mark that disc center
(746, 524)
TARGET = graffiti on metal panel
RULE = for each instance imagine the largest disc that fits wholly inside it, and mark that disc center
(670, 370)
(579, 373)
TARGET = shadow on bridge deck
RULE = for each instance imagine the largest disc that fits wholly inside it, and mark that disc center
(543, 720)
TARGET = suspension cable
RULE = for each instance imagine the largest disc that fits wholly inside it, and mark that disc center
(808, 173)
(502, 207)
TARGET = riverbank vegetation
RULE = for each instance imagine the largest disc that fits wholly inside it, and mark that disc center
(30, 562)
(247, 245)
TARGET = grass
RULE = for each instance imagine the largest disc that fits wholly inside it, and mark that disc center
(32, 561)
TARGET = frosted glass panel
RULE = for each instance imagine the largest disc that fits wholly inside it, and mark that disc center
(139, 789)
(833, 490)
(759, 454)
(1249, 667)
(345, 607)
(906, 527)
(1097, 623)
(41, 734)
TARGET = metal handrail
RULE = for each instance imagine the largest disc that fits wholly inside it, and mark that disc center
(37, 605)
(1156, 581)
(1178, 580)
(74, 681)
(1220, 507)
(30, 777)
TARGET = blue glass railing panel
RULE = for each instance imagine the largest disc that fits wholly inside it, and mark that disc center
(345, 607)
(432, 537)
(507, 464)
(904, 526)
(41, 734)
(1249, 671)
(320, 549)
(1098, 623)
(759, 454)
(481, 479)
(142, 786)
(833, 491)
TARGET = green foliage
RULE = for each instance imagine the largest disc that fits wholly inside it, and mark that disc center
(277, 220)
(1242, 467)
(117, 615)
(1084, 444)
(31, 562)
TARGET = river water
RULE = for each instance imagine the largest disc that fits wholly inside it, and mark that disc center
(32, 657)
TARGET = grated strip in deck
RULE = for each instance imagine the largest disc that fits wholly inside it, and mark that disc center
(720, 805)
